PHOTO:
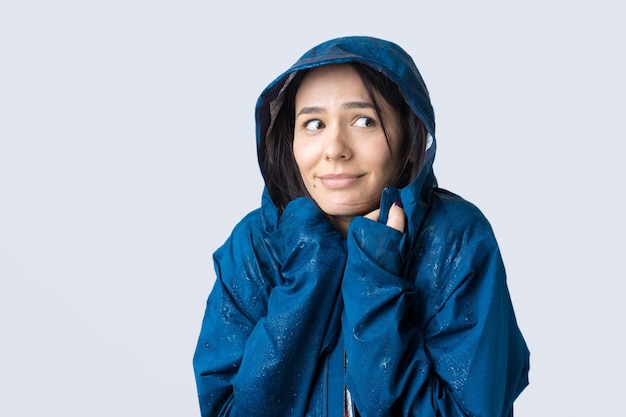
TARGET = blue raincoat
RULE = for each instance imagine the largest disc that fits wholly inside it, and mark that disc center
(412, 324)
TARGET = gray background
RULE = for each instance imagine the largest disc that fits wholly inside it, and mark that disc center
(127, 156)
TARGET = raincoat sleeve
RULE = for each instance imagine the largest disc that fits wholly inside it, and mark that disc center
(463, 357)
(267, 316)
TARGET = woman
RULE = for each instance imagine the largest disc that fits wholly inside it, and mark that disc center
(358, 287)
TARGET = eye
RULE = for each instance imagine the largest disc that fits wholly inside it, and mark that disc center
(365, 122)
(313, 125)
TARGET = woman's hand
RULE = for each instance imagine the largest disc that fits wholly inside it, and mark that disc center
(395, 220)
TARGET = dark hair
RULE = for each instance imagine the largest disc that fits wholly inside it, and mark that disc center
(282, 176)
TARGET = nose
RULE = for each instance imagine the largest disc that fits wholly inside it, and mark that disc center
(336, 146)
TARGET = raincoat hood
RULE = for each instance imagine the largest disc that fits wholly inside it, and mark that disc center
(381, 55)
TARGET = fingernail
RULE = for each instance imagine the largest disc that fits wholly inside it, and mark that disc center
(398, 202)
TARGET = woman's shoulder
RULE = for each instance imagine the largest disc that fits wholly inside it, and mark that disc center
(254, 236)
(258, 222)
(457, 217)
(452, 201)
(249, 248)
(249, 229)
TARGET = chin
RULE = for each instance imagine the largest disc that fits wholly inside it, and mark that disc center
(345, 209)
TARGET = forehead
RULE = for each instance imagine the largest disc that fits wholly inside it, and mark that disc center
(336, 77)
(340, 83)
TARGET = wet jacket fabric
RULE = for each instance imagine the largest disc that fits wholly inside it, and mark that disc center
(418, 323)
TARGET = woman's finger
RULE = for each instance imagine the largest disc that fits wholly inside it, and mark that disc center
(373, 215)
(396, 218)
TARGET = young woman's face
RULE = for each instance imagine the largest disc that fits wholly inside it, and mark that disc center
(339, 145)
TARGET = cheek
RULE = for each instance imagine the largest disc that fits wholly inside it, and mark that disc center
(305, 170)
(299, 161)
(381, 160)
(303, 156)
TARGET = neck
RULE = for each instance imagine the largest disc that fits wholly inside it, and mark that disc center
(341, 223)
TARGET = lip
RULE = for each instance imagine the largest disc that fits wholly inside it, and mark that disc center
(338, 181)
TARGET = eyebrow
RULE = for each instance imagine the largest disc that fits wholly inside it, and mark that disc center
(346, 106)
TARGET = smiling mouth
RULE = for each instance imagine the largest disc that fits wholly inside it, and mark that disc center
(338, 181)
